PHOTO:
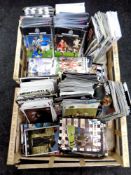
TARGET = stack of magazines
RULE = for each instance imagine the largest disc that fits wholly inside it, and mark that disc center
(76, 115)
(66, 100)
(90, 99)
(70, 32)
(75, 84)
(103, 30)
(37, 16)
(36, 100)
(65, 32)
(83, 137)
(36, 27)
(38, 139)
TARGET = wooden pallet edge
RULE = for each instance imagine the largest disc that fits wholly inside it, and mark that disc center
(123, 121)
(116, 61)
(17, 54)
(11, 149)
(68, 159)
(124, 138)
(70, 164)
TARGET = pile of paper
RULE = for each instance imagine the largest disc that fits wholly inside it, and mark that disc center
(103, 30)
(83, 137)
(66, 98)
(36, 100)
(86, 98)
(38, 139)
(37, 16)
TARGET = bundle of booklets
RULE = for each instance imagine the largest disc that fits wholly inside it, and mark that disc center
(104, 29)
(66, 99)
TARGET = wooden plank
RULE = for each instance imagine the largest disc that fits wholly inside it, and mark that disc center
(17, 54)
(17, 143)
(125, 149)
(82, 162)
(109, 64)
(67, 159)
(11, 149)
(117, 78)
(116, 62)
(71, 164)
(51, 162)
(117, 138)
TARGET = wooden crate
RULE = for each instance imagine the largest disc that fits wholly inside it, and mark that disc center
(118, 157)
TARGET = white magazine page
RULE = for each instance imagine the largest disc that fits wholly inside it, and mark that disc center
(38, 85)
(117, 30)
(114, 25)
(70, 7)
(109, 21)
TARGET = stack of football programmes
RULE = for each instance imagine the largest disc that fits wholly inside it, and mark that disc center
(84, 65)
(66, 100)
(70, 33)
(104, 101)
(40, 130)
(82, 104)
(37, 31)
(39, 138)
(36, 100)
(82, 136)
(37, 16)
(70, 26)
(103, 30)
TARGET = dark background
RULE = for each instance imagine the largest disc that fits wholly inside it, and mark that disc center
(9, 16)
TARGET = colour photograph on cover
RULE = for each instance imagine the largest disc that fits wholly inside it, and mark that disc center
(69, 64)
(40, 66)
(83, 110)
(67, 45)
(39, 115)
(107, 105)
(38, 45)
(42, 141)
(85, 139)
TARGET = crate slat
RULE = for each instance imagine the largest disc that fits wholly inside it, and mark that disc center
(125, 149)
(17, 55)
(13, 131)
(63, 165)
(69, 159)
(123, 120)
